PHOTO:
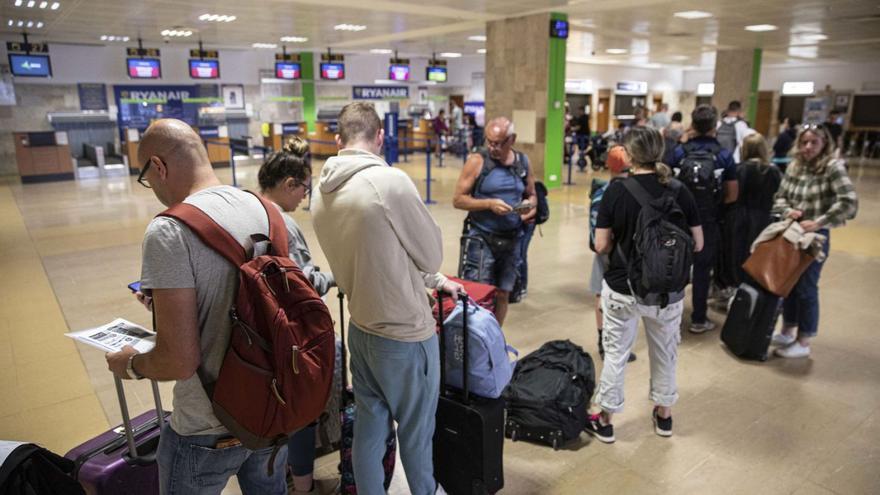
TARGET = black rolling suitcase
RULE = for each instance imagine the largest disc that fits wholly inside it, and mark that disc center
(469, 435)
(750, 322)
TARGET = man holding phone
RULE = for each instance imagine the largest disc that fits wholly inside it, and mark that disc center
(497, 189)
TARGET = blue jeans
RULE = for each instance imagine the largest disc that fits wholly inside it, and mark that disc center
(191, 465)
(801, 307)
(301, 451)
(397, 381)
(482, 265)
(704, 262)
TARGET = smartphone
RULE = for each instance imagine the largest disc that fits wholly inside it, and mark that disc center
(523, 207)
(135, 286)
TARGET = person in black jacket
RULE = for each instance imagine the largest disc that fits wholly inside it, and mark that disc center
(758, 182)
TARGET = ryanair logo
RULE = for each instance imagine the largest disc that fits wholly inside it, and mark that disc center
(380, 92)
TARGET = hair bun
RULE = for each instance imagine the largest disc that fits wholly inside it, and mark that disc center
(296, 145)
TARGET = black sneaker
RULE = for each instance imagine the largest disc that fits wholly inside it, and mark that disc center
(662, 426)
(603, 433)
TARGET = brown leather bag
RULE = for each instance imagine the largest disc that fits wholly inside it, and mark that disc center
(777, 265)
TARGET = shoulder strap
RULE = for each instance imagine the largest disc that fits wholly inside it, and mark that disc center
(637, 191)
(212, 234)
(277, 229)
(488, 166)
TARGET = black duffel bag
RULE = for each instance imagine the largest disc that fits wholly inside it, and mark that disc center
(548, 396)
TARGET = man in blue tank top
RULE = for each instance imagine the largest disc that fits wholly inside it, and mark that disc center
(497, 189)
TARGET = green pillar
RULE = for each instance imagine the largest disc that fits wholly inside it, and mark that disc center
(753, 88)
(554, 125)
(310, 107)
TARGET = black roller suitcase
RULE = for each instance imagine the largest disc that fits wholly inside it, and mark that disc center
(469, 435)
(750, 322)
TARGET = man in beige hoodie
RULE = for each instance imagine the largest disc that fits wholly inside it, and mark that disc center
(384, 249)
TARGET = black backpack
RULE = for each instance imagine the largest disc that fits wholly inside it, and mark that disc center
(543, 213)
(548, 396)
(32, 470)
(697, 172)
(663, 251)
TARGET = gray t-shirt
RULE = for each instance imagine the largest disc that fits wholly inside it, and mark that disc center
(174, 258)
(299, 253)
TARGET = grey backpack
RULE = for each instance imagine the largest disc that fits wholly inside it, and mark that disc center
(726, 135)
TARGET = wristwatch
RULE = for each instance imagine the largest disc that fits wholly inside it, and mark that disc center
(129, 369)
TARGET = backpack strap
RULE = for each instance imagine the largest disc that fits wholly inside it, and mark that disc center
(277, 229)
(212, 234)
(487, 168)
(637, 191)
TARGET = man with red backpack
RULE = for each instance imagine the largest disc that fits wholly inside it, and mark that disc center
(193, 292)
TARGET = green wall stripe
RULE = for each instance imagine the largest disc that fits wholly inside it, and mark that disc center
(310, 106)
(554, 127)
(753, 89)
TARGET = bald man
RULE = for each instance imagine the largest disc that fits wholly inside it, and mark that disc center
(191, 290)
(497, 189)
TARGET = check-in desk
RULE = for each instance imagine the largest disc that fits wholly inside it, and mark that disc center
(325, 132)
(43, 156)
(216, 139)
(424, 130)
(278, 133)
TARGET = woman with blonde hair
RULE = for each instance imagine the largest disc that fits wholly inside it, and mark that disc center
(758, 183)
(817, 192)
(621, 309)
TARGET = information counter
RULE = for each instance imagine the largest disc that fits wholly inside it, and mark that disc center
(43, 156)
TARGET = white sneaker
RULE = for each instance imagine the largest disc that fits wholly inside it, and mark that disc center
(440, 490)
(782, 340)
(795, 350)
(701, 327)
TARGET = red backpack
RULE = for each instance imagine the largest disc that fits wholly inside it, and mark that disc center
(278, 369)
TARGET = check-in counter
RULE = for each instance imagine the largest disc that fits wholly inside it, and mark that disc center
(278, 133)
(424, 130)
(404, 135)
(216, 139)
(43, 156)
(325, 132)
(130, 150)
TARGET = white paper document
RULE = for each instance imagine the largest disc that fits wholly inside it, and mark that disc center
(115, 335)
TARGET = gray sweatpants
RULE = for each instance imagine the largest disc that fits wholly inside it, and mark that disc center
(619, 329)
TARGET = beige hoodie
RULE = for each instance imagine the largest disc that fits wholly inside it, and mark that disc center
(380, 241)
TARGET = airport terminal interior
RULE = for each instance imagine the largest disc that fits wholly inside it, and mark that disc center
(80, 82)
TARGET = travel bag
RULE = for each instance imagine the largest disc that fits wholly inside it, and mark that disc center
(122, 460)
(547, 398)
(750, 322)
(469, 434)
(489, 366)
(348, 414)
(482, 294)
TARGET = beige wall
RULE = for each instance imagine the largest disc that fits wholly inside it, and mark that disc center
(516, 76)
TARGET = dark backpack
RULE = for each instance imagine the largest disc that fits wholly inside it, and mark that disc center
(597, 191)
(663, 251)
(32, 470)
(726, 135)
(548, 396)
(543, 213)
(278, 369)
(697, 172)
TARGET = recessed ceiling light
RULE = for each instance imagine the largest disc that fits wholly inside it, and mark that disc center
(31, 4)
(56, 6)
(177, 33)
(760, 28)
(381, 51)
(481, 51)
(812, 37)
(18, 3)
(20, 23)
(11, 22)
(478, 37)
(450, 54)
(30, 24)
(269, 46)
(616, 51)
(680, 57)
(40, 25)
(217, 18)
(349, 27)
(692, 14)
(294, 39)
(44, 4)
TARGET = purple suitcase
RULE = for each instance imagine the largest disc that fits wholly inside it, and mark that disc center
(122, 460)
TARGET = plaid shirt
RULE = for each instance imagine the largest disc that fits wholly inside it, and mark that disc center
(829, 199)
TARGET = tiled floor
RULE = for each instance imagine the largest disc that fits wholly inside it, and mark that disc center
(807, 427)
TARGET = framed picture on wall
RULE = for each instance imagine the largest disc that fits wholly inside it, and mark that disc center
(233, 95)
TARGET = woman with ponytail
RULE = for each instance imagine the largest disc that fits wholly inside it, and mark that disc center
(286, 180)
(615, 229)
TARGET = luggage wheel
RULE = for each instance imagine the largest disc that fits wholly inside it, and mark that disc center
(555, 444)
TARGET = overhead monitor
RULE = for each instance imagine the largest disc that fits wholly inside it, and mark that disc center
(332, 71)
(288, 70)
(398, 72)
(30, 65)
(436, 74)
(144, 68)
(798, 88)
(204, 69)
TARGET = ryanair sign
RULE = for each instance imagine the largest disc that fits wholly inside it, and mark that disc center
(380, 92)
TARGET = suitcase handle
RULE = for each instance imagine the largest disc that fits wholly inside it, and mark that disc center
(464, 298)
(341, 297)
(133, 456)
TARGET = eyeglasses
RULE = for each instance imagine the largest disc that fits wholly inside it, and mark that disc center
(497, 144)
(141, 179)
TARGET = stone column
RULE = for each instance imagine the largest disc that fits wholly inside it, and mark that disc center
(525, 81)
(737, 73)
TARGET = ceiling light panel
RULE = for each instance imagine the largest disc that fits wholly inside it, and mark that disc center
(381, 51)
(38, 4)
(25, 23)
(111, 37)
(616, 51)
(268, 46)
(450, 54)
(217, 18)
(478, 37)
(294, 39)
(349, 27)
(481, 51)
(692, 14)
(177, 33)
(761, 28)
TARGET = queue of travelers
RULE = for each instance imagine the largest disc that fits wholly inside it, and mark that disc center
(384, 249)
